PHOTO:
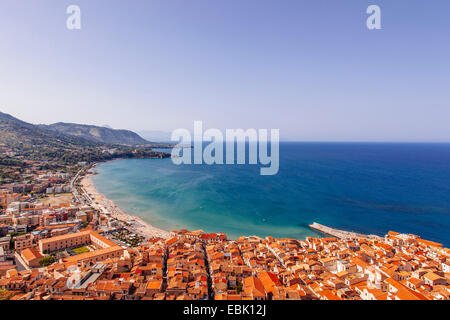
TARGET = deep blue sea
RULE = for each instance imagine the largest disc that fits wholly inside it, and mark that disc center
(363, 187)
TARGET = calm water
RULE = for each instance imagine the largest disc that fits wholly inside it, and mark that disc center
(369, 188)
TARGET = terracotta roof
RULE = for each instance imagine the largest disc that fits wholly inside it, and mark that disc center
(64, 237)
(254, 286)
(30, 254)
(171, 240)
(92, 254)
(269, 280)
(432, 276)
(154, 284)
(429, 243)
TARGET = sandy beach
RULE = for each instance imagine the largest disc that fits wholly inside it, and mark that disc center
(108, 206)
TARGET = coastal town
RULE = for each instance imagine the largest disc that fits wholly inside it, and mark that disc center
(62, 240)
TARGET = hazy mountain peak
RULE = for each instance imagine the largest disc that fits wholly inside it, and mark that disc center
(98, 134)
(14, 131)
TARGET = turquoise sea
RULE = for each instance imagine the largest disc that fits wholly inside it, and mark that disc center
(364, 187)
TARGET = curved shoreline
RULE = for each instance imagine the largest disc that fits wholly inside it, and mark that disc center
(108, 206)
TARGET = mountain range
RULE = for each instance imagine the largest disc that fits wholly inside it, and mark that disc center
(97, 134)
(14, 132)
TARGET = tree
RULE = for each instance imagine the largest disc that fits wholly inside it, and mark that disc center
(46, 261)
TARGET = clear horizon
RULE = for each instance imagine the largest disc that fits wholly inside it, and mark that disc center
(311, 69)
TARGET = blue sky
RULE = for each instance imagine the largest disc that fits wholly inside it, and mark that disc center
(310, 68)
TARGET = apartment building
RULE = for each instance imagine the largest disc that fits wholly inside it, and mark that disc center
(23, 242)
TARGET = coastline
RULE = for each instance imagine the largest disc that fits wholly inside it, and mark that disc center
(108, 206)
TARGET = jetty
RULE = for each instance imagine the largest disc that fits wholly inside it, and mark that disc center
(341, 234)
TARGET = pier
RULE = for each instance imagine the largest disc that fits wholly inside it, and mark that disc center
(340, 234)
